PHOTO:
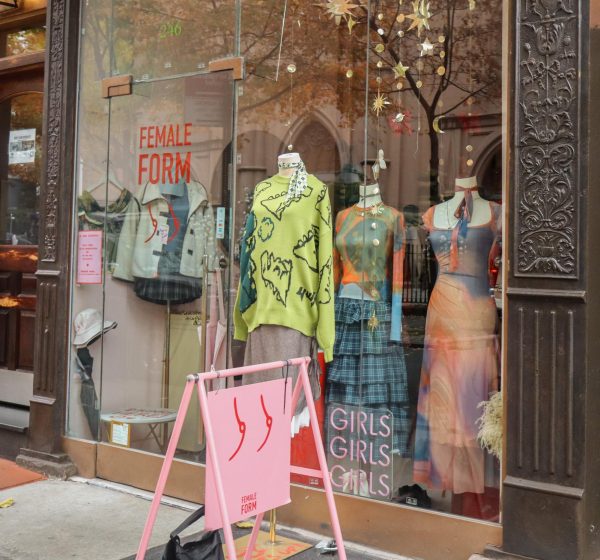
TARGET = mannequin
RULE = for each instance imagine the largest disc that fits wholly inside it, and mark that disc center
(444, 217)
(284, 304)
(368, 273)
(460, 359)
(370, 195)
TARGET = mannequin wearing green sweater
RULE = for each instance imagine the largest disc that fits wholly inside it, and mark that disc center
(286, 274)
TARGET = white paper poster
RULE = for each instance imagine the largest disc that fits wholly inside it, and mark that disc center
(21, 146)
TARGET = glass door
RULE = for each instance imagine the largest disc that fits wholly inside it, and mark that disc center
(166, 253)
(20, 170)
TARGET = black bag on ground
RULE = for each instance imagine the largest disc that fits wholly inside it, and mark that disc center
(208, 547)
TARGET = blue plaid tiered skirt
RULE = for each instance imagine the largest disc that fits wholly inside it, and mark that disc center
(368, 369)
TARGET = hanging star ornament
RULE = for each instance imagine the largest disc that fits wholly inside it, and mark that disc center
(379, 103)
(351, 24)
(338, 9)
(400, 70)
(426, 48)
(420, 16)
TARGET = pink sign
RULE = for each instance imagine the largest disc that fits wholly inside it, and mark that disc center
(89, 257)
(253, 447)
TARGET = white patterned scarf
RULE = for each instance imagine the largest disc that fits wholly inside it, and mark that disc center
(298, 180)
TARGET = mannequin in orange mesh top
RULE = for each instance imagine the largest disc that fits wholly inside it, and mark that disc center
(368, 273)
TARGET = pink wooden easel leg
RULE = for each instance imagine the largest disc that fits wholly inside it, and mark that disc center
(166, 467)
(254, 536)
(335, 522)
(211, 446)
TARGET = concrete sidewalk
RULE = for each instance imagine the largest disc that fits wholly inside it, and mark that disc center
(94, 520)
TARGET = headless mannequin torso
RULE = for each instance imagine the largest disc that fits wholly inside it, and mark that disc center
(444, 218)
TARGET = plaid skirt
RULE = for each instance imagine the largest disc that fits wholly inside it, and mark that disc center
(175, 289)
(368, 369)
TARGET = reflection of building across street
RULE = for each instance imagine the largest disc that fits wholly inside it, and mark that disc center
(154, 419)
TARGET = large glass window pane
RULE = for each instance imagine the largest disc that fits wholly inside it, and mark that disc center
(426, 236)
(356, 206)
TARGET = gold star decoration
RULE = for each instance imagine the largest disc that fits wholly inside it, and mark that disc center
(351, 24)
(338, 9)
(426, 47)
(420, 16)
(400, 70)
(379, 103)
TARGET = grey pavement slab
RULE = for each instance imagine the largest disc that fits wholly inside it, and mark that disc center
(56, 520)
(61, 520)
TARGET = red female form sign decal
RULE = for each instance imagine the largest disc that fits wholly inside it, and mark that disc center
(164, 154)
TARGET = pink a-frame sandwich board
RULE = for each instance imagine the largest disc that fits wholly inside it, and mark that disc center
(216, 459)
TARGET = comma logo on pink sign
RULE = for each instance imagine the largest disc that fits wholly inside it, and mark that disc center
(251, 426)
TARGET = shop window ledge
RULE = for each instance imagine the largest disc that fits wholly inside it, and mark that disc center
(14, 418)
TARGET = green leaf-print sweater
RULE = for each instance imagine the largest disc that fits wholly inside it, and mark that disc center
(286, 275)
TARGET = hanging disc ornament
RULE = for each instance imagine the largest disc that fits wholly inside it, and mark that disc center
(291, 68)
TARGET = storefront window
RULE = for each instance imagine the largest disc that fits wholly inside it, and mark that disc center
(22, 41)
(386, 253)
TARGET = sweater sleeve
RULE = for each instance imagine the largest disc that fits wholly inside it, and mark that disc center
(246, 292)
(397, 278)
(123, 266)
(337, 258)
(326, 325)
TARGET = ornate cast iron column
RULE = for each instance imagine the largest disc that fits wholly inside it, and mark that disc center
(551, 493)
(51, 338)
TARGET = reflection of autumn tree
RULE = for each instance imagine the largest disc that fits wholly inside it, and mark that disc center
(150, 39)
(321, 53)
(161, 38)
(458, 69)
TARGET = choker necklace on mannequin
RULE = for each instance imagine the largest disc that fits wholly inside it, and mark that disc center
(374, 210)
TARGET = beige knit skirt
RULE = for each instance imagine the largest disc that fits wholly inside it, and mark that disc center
(271, 343)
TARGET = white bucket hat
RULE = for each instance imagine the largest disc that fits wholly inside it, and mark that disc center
(88, 325)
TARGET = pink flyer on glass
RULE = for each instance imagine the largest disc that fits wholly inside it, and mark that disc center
(89, 257)
(253, 447)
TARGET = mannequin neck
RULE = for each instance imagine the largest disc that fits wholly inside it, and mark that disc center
(285, 160)
(370, 195)
(465, 184)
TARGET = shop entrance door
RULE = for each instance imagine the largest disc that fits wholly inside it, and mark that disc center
(166, 265)
(21, 110)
